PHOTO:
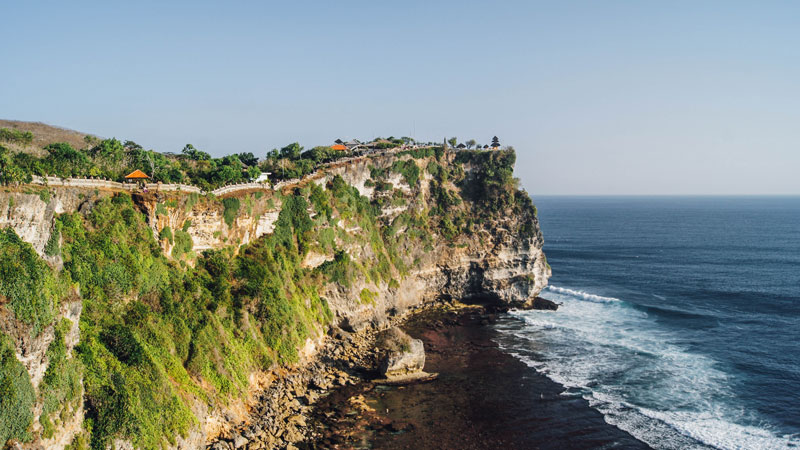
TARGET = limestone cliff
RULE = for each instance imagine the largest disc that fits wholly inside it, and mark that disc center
(459, 229)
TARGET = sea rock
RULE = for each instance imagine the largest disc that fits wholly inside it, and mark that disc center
(542, 303)
(404, 356)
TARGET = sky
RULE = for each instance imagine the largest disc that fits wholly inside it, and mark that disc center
(597, 97)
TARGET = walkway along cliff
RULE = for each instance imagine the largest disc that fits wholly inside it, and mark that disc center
(151, 319)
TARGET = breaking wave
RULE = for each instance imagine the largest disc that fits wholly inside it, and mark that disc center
(639, 374)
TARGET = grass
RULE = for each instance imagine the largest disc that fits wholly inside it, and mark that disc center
(44, 134)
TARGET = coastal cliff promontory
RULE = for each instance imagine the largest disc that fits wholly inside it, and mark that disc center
(155, 318)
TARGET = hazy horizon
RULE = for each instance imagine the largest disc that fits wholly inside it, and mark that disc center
(611, 98)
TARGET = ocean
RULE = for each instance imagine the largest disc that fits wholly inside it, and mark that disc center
(679, 317)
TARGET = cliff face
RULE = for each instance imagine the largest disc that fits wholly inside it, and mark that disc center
(444, 225)
(495, 262)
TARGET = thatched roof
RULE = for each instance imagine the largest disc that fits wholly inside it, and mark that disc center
(136, 175)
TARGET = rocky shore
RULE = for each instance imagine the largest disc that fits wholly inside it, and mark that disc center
(482, 399)
(282, 417)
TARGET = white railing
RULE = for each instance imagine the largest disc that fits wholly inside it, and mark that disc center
(238, 187)
(96, 183)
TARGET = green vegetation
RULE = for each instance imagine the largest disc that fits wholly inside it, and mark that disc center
(113, 159)
(183, 245)
(409, 170)
(52, 248)
(10, 171)
(32, 290)
(159, 334)
(44, 195)
(166, 233)
(493, 186)
(367, 297)
(231, 211)
(161, 210)
(16, 136)
(16, 395)
(61, 386)
(292, 162)
(423, 152)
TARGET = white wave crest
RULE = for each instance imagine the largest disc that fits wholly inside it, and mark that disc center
(582, 295)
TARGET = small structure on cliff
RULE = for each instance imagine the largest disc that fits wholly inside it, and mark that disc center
(137, 175)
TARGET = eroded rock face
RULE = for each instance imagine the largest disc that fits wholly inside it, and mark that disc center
(405, 356)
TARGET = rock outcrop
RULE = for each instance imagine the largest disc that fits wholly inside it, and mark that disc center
(404, 356)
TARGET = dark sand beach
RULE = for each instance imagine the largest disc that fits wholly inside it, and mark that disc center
(483, 399)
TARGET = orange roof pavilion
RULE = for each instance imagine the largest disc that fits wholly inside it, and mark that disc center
(136, 175)
(338, 147)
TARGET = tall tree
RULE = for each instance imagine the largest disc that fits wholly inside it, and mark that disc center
(495, 142)
(452, 141)
(471, 143)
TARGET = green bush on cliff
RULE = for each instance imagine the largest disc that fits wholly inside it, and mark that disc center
(492, 185)
(131, 366)
(166, 234)
(320, 201)
(409, 170)
(53, 248)
(61, 386)
(231, 205)
(425, 152)
(367, 297)
(16, 395)
(183, 244)
(29, 284)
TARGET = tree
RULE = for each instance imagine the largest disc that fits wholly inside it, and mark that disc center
(452, 141)
(291, 151)
(471, 143)
(248, 159)
(11, 173)
(195, 154)
(130, 145)
(495, 142)
(253, 172)
(406, 140)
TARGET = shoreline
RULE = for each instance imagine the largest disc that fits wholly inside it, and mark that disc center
(483, 399)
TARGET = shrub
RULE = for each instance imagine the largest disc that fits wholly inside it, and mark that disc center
(183, 244)
(408, 169)
(61, 386)
(340, 270)
(27, 282)
(52, 248)
(16, 395)
(16, 136)
(367, 297)
(166, 233)
(231, 205)
(161, 210)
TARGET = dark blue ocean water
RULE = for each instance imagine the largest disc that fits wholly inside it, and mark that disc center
(680, 319)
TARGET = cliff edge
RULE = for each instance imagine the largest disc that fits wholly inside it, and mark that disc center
(190, 305)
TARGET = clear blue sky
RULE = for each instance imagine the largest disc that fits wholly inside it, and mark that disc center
(598, 97)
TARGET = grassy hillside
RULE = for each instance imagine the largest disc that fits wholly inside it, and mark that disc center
(43, 135)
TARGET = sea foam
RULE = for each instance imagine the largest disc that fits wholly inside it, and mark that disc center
(635, 372)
